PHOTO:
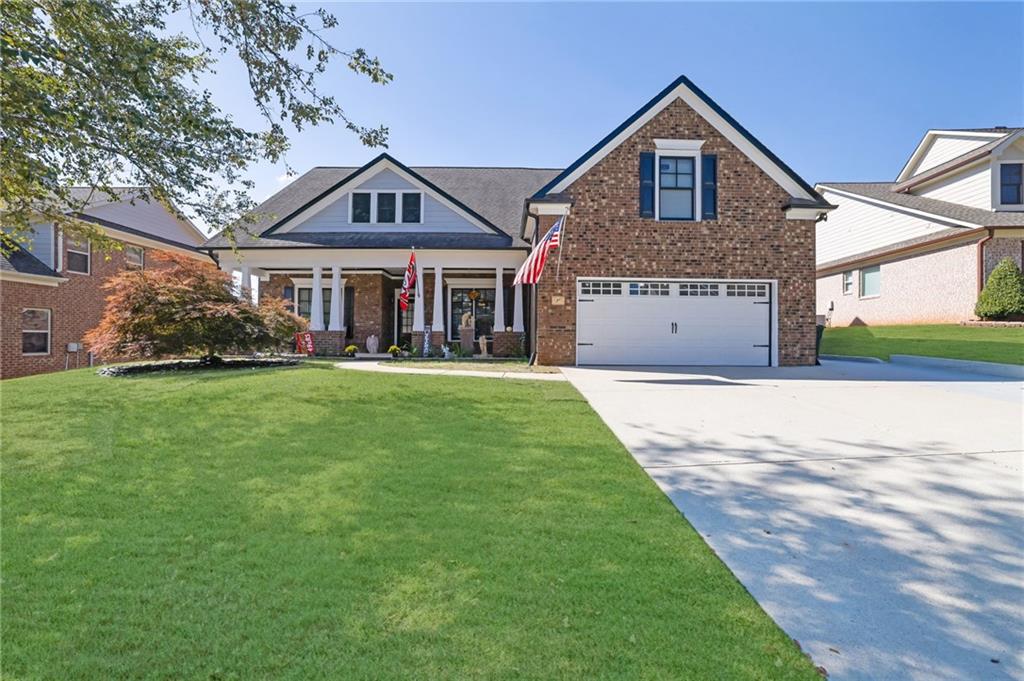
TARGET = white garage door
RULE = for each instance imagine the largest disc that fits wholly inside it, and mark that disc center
(673, 322)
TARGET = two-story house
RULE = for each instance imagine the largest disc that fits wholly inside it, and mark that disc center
(685, 241)
(51, 288)
(918, 250)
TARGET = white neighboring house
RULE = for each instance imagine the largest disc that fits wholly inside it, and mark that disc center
(918, 250)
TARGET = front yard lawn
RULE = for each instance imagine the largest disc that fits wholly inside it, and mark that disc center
(314, 523)
(985, 344)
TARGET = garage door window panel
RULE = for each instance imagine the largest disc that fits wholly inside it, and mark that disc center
(644, 288)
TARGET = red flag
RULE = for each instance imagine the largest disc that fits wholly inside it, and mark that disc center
(304, 342)
(408, 282)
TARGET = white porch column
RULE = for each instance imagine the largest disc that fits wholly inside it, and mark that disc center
(499, 300)
(316, 307)
(437, 319)
(244, 281)
(517, 310)
(417, 310)
(337, 300)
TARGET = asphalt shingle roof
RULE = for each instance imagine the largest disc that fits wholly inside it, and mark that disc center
(496, 194)
(883, 191)
(21, 261)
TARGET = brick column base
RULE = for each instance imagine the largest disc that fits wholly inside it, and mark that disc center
(417, 341)
(437, 339)
(328, 343)
(508, 344)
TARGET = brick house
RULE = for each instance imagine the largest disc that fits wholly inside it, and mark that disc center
(51, 287)
(684, 241)
(919, 250)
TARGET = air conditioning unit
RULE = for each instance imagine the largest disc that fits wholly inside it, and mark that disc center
(74, 347)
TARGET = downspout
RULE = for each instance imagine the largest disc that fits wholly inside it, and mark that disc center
(981, 259)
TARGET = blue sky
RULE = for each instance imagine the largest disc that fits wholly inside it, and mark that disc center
(838, 91)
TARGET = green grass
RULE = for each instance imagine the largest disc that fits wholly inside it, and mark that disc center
(312, 523)
(985, 344)
(506, 365)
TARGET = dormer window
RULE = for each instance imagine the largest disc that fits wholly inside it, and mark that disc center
(361, 207)
(386, 207)
(1011, 184)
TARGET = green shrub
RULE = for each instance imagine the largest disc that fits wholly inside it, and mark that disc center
(1003, 294)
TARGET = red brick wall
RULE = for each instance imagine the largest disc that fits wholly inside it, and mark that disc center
(751, 238)
(76, 306)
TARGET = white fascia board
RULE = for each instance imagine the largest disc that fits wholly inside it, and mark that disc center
(137, 240)
(885, 204)
(38, 279)
(369, 258)
(804, 213)
(548, 208)
(382, 165)
(720, 124)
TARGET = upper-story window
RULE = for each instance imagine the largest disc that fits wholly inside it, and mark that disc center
(676, 188)
(78, 257)
(135, 256)
(387, 207)
(361, 207)
(1011, 184)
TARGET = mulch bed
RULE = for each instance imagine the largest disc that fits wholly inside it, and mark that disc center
(163, 366)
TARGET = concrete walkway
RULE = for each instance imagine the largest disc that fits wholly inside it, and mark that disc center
(875, 511)
(384, 368)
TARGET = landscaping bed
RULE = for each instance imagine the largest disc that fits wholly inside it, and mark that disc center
(504, 365)
(1003, 344)
(312, 523)
(169, 365)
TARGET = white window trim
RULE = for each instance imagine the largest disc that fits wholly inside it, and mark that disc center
(678, 149)
(997, 187)
(842, 283)
(373, 206)
(88, 257)
(860, 284)
(49, 331)
(142, 256)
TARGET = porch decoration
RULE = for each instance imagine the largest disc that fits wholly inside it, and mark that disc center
(474, 294)
(372, 344)
(408, 282)
(394, 351)
(483, 347)
(304, 343)
(467, 332)
(351, 350)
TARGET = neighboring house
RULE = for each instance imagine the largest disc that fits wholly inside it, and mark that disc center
(918, 250)
(51, 287)
(685, 242)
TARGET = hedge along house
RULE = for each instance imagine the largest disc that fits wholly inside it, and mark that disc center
(686, 242)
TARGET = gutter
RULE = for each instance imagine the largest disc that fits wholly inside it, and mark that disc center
(981, 259)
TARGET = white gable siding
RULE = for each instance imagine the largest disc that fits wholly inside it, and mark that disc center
(946, 147)
(437, 217)
(968, 187)
(857, 227)
(149, 217)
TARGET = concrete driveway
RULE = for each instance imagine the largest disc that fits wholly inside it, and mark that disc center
(876, 512)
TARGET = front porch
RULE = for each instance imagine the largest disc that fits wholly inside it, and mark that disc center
(350, 305)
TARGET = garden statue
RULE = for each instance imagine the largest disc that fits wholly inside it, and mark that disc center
(372, 344)
(467, 320)
(467, 333)
(483, 346)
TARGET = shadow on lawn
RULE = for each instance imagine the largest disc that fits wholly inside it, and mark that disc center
(908, 569)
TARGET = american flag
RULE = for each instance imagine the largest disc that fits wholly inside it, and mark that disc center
(530, 272)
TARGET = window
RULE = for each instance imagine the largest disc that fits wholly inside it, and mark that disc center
(385, 207)
(698, 289)
(871, 281)
(479, 302)
(35, 331)
(360, 207)
(1011, 179)
(847, 283)
(306, 304)
(675, 188)
(411, 207)
(644, 288)
(600, 288)
(746, 290)
(134, 256)
(78, 257)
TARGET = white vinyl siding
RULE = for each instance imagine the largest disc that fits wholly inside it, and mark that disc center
(969, 187)
(858, 226)
(150, 218)
(40, 242)
(948, 147)
(435, 216)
